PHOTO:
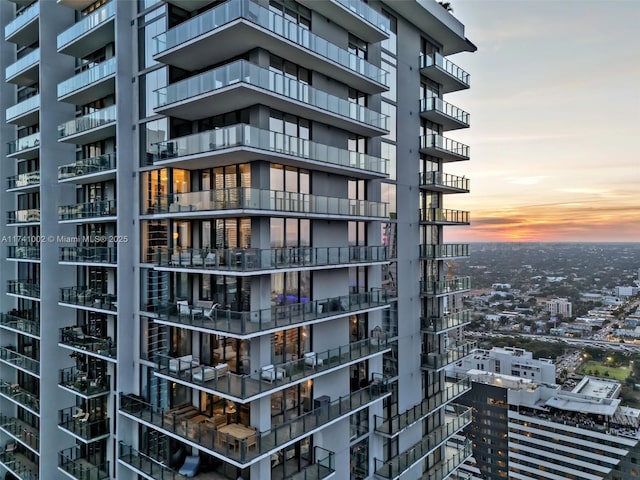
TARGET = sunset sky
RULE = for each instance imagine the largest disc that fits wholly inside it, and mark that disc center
(555, 121)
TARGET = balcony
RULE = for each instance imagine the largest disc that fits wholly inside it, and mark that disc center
(323, 466)
(24, 147)
(456, 453)
(19, 466)
(77, 382)
(251, 260)
(245, 388)
(23, 29)
(90, 85)
(240, 25)
(24, 71)
(25, 113)
(445, 287)
(444, 182)
(74, 338)
(72, 463)
(90, 128)
(23, 252)
(21, 431)
(446, 322)
(31, 215)
(443, 216)
(19, 324)
(84, 426)
(102, 211)
(24, 181)
(23, 288)
(254, 201)
(87, 170)
(88, 254)
(437, 361)
(18, 395)
(88, 299)
(9, 356)
(354, 16)
(444, 148)
(231, 144)
(95, 30)
(280, 317)
(442, 70)
(217, 442)
(444, 250)
(395, 425)
(438, 111)
(241, 84)
(145, 465)
(456, 419)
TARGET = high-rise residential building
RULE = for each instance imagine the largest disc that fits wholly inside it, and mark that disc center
(524, 428)
(559, 306)
(205, 267)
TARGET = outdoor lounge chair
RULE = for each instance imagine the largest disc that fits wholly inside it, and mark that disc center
(190, 466)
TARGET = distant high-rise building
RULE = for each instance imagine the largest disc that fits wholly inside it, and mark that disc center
(205, 267)
(559, 306)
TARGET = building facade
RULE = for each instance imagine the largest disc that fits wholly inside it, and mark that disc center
(560, 306)
(205, 267)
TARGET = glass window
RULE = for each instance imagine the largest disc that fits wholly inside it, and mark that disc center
(388, 151)
(390, 44)
(390, 111)
(148, 84)
(146, 43)
(152, 132)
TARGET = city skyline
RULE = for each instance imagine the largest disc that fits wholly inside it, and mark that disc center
(552, 136)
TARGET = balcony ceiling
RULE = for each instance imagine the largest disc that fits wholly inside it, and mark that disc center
(91, 40)
(91, 92)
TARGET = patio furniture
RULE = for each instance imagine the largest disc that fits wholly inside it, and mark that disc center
(312, 360)
(270, 373)
(181, 363)
(190, 466)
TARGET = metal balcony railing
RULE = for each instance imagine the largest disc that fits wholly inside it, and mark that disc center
(83, 425)
(20, 324)
(79, 382)
(445, 287)
(88, 23)
(436, 361)
(87, 166)
(71, 461)
(10, 356)
(74, 337)
(86, 297)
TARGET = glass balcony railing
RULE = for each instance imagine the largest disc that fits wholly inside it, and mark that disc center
(155, 468)
(23, 63)
(9, 355)
(25, 433)
(438, 105)
(405, 460)
(23, 143)
(323, 466)
(104, 208)
(451, 320)
(88, 23)
(396, 424)
(87, 166)
(446, 65)
(89, 254)
(24, 252)
(24, 180)
(446, 180)
(97, 119)
(248, 136)
(18, 464)
(74, 465)
(444, 250)
(242, 71)
(20, 324)
(22, 287)
(254, 444)
(241, 198)
(83, 425)
(23, 18)
(74, 337)
(456, 453)
(444, 287)
(78, 381)
(363, 10)
(19, 395)
(219, 379)
(23, 107)
(444, 144)
(281, 316)
(443, 215)
(273, 22)
(252, 259)
(86, 297)
(86, 78)
(435, 361)
(32, 215)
